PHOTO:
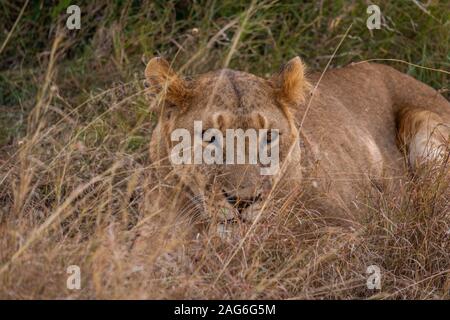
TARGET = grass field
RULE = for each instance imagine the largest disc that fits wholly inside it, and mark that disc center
(74, 133)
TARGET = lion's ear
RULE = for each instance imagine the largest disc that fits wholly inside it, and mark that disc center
(291, 83)
(161, 79)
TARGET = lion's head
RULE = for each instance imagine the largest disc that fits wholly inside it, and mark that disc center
(228, 99)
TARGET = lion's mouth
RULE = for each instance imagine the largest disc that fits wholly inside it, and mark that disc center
(239, 203)
(223, 207)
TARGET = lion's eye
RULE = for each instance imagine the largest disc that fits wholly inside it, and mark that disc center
(212, 139)
(270, 137)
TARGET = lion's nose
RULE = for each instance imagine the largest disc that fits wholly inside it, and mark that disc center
(241, 203)
(231, 199)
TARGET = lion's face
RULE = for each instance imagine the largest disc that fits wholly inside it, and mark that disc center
(227, 101)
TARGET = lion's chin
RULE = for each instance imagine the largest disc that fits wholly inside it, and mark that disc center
(228, 229)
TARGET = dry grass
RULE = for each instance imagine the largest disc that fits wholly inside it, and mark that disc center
(74, 172)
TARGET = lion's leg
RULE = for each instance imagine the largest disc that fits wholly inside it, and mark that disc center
(424, 135)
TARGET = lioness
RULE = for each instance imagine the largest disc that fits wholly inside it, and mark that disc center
(351, 125)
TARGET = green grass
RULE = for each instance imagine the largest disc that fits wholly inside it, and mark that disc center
(116, 38)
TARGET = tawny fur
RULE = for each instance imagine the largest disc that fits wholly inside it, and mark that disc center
(348, 139)
(424, 135)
